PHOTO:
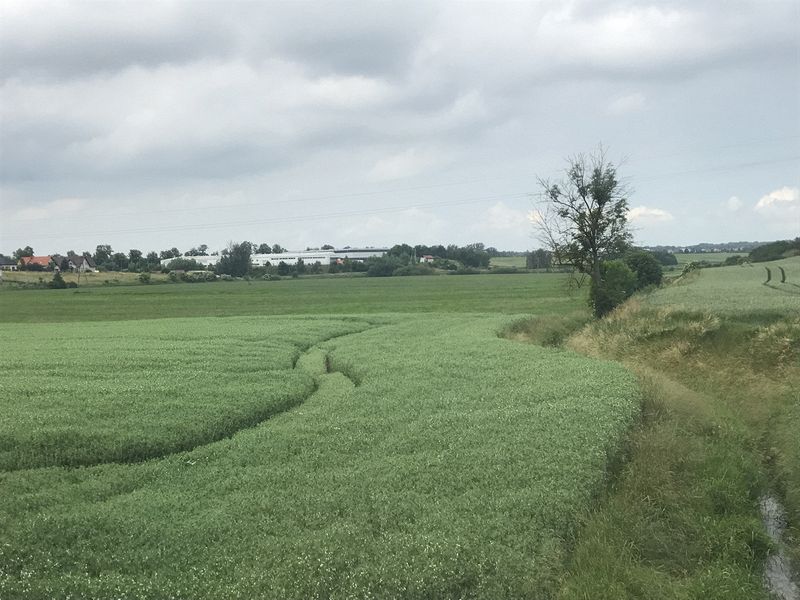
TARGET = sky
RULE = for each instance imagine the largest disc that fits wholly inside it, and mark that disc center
(150, 125)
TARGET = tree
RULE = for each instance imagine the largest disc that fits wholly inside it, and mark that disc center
(153, 260)
(539, 259)
(277, 249)
(326, 247)
(235, 259)
(136, 260)
(646, 267)
(171, 253)
(771, 251)
(665, 258)
(22, 252)
(284, 269)
(184, 264)
(201, 250)
(585, 219)
(102, 254)
(264, 249)
(118, 261)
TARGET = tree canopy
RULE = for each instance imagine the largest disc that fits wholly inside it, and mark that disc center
(584, 220)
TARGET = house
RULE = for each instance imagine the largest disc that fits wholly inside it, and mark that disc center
(8, 264)
(38, 263)
(59, 262)
(77, 262)
(427, 258)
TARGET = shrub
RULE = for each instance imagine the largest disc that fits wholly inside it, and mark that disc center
(198, 276)
(284, 269)
(185, 264)
(144, 277)
(446, 264)
(384, 266)
(173, 277)
(618, 282)
(58, 282)
(646, 267)
(665, 258)
(736, 259)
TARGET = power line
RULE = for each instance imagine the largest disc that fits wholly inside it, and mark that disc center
(365, 212)
(743, 165)
(354, 195)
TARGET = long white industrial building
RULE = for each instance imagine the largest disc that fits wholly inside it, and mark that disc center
(309, 257)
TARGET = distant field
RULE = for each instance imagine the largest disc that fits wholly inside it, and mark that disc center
(424, 457)
(508, 261)
(713, 257)
(524, 293)
(736, 289)
(89, 279)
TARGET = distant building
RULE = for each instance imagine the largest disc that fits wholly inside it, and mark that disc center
(8, 264)
(427, 258)
(324, 257)
(45, 262)
(77, 262)
(309, 257)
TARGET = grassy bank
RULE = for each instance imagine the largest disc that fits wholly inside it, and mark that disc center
(720, 374)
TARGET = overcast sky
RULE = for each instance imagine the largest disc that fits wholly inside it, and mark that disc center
(157, 124)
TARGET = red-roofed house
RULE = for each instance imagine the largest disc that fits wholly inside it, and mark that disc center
(44, 262)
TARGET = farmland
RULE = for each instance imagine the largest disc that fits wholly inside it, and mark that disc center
(711, 257)
(509, 294)
(736, 289)
(361, 437)
(508, 261)
(403, 451)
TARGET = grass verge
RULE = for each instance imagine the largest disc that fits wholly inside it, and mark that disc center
(718, 428)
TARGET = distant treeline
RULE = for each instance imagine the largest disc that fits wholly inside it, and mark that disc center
(775, 250)
(707, 247)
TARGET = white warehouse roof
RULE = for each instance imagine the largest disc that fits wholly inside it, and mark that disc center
(290, 258)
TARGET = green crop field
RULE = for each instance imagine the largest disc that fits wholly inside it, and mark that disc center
(508, 261)
(406, 450)
(515, 294)
(711, 257)
(736, 289)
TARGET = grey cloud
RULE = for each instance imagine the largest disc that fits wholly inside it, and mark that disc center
(78, 39)
(84, 38)
(122, 100)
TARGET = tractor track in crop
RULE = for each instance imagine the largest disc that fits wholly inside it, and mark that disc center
(244, 425)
